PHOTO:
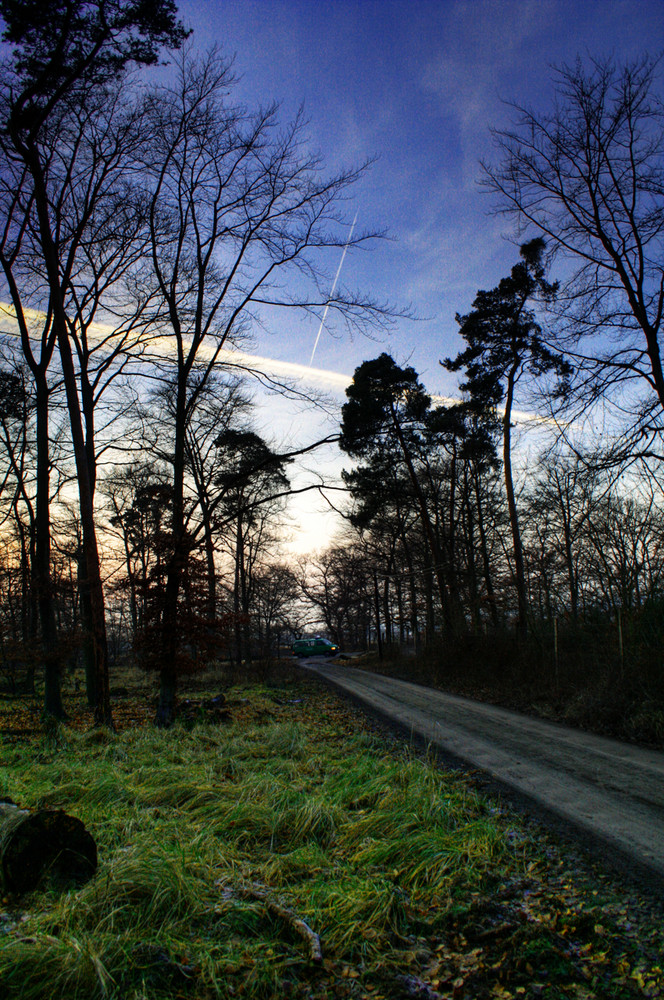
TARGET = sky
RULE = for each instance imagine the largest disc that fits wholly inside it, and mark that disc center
(415, 85)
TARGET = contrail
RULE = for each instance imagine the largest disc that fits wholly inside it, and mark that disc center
(334, 285)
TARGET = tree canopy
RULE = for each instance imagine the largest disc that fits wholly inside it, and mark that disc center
(60, 47)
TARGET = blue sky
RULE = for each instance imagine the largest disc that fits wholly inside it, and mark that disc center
(417, 84)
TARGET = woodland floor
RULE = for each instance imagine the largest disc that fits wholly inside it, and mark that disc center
(418, 885)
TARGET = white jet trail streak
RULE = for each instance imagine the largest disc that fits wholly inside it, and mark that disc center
(334, 285)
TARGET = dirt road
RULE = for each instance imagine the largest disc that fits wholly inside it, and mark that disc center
(609, 793)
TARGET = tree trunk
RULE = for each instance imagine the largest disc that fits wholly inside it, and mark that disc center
(387, 612)
(486, 562)
(412, 590)
(167, 690)
(209, 560)
(429, 533)
(34, 843)
(379, 641)
(237, 589)
(94, 587)
(29, 628)
(245, 596)
(473, 594)
(519, 571)
(398, 589)
(169, 621)
(571, 575)
(84, 474)
(451, 545)
(87, 643)
(43, 583)
(428, 603)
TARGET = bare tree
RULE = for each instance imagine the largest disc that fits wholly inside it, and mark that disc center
(589, 176)
(276, 607)
(339, 587)
(255, 485)
(37, 341)
(237, 208)
(563, 495)
(626, 548)
(66, 56)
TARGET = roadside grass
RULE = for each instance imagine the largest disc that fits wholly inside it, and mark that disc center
(416, 884)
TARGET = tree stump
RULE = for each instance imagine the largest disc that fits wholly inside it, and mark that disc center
(40, 841)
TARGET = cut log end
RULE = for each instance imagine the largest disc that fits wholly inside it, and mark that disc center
(36, 843)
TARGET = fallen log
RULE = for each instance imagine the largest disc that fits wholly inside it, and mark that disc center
(34, 842)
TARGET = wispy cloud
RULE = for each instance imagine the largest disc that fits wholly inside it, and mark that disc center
(231, 358)
(290, 371)
(322, 377)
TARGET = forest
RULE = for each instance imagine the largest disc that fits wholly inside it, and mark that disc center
(146, 226)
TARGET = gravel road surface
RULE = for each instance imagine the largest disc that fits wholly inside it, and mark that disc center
(610, 794)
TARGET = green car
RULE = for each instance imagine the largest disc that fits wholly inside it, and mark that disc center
(314, 647)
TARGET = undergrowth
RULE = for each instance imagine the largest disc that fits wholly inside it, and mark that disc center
(588, 688)
(394, 864)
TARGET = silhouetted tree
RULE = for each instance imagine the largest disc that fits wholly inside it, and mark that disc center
(387, 411)
(64, 57)
(338, 585)
(276, 607)
(505, 343)
(253, 482)
(235, 207)
(139, 505)
(221, 404)
(17, 517)
(589, 175)
(564, 493)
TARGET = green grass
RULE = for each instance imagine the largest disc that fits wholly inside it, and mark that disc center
(379, 851)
